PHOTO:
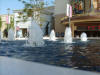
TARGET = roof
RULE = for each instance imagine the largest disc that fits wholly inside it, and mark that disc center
(7, 14)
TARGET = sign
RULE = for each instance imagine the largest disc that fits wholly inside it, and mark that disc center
(89, 28)
(69, 10)
(8, 19)
(93, 27)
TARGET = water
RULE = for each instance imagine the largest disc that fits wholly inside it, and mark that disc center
(35, 38)
(68, 35)
(84, 36)
(52, 36)
(79, 55)
(11, 35)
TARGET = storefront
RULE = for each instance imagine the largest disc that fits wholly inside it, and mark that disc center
(21, 32)
(86, 18)
(89, 24)
(91, 29)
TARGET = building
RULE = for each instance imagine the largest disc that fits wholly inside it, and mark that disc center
(20, 26)
(86, 18)
(60, 11)
(5, 25)
(45, 21)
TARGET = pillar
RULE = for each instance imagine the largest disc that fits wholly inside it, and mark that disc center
(72, 27)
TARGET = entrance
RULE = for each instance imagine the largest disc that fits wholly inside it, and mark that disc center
(24, 32)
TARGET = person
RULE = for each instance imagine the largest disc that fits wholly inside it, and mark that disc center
(5, 33)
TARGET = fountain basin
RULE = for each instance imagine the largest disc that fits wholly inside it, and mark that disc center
(79, 55)
(10, 66)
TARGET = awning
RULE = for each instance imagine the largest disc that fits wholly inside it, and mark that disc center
(83, 18)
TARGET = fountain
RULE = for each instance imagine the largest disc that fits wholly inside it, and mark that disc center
(52, 36)
(11, 35)
(83, 36)
(68, 35)
(0, 36)
(35, 38)
(69, 55)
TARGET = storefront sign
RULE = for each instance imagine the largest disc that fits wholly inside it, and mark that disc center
(93, 27)
(88, 28)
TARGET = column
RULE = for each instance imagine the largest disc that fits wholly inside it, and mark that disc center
(72, 27)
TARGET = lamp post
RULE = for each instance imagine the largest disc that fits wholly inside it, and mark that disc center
(8, 10)
(8, 14)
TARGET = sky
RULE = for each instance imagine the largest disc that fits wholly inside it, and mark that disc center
(12, 4)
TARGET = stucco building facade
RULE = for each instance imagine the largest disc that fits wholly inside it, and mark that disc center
(60, 11)
(85, 17)
(4, 23)
(44, 20)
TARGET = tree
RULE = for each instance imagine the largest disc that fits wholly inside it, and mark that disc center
(11, 23)
(0, 23)
(32, 8)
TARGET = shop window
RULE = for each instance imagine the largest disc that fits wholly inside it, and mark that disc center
(57, 34)
(62, 34)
